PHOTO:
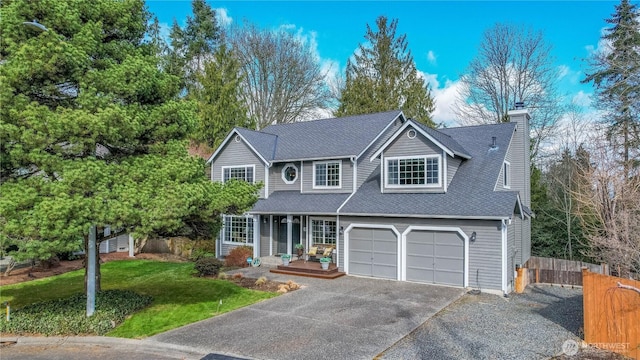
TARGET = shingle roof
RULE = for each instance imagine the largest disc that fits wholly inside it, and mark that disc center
(446, 140)
(470, 193)
(263, 143)
(292, 202)
(327, 138)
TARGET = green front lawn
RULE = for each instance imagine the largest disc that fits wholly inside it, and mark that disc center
(179, 298)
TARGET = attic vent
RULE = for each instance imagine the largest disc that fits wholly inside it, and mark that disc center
(237, 138)
(411, 134)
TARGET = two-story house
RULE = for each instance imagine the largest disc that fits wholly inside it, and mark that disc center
(397, 199)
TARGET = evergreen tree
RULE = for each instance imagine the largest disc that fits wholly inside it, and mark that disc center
(92, 131)
(616, 76)
(219, 106)
(193, 45)
(383, 76)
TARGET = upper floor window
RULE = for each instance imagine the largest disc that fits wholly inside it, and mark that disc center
(326, 174)
(245, 172)
(506, 175)
(422, 171)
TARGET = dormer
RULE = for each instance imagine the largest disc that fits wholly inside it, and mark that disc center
(418, 159)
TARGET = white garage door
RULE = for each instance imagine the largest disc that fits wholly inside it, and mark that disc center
(373, 252)
(435, 257)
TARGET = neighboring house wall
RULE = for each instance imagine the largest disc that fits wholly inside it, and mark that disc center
(346, 180)
(485, 254)
(237, 153)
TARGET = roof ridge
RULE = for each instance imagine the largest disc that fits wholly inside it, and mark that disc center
(334, 118)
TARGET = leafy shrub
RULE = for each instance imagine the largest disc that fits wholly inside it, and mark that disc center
(199, 253)
(68, 316)
(208, 266)
(238, 256)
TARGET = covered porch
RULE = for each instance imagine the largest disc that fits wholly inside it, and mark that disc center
(309, 269)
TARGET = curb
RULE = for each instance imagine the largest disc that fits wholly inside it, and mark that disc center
(139, 346)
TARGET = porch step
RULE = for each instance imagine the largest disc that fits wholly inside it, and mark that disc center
(309, 269)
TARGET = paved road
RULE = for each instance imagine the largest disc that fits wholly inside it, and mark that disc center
(345, 318)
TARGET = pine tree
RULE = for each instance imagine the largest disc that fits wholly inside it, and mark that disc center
(193, 45)
(383, 76)
(92, 131)
(616, 77)
(220, 107)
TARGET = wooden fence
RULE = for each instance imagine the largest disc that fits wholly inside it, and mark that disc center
(612, 313)
(559, 271)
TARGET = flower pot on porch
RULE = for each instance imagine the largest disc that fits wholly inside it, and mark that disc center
(285, 259)
(324, 262)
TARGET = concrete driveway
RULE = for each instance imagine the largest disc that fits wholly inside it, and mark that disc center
(345, 318)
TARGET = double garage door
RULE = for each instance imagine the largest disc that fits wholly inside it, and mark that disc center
(433, 257)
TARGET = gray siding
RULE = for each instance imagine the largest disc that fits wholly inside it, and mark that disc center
(519, 157)
(512, 239)
(238, 154)
(485, 254)
(276, 183)
(346, 181)
(452, 167)
(404, 146)
(366, 167)
(522, 242)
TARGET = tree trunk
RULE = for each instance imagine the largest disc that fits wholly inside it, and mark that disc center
(86, 264)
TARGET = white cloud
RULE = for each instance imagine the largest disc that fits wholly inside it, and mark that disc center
(444, 97)
(582, 99)
(223, 17)
(431, 56)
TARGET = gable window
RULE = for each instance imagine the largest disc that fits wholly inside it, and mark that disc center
(326, 174)
(506, 175)
(245, 173)
(413, 171)
(323, 231)
(238, 229)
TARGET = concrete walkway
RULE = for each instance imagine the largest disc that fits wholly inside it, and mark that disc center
(345, 318)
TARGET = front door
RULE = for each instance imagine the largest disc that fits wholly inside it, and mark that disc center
(281, 238)
(280, 227)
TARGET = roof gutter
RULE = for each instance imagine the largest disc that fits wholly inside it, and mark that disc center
(425, 216)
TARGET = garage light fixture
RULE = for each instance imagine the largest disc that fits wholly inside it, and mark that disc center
(473, 237)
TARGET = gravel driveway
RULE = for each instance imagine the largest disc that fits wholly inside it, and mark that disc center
(532, 325)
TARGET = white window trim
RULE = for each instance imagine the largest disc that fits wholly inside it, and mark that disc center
(506, 175)
(238, 166)
(326, 186)
(249, 219)
(311, 220)
(295, 178)
(425, 157)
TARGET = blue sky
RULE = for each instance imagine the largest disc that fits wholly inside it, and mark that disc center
(443, 36)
